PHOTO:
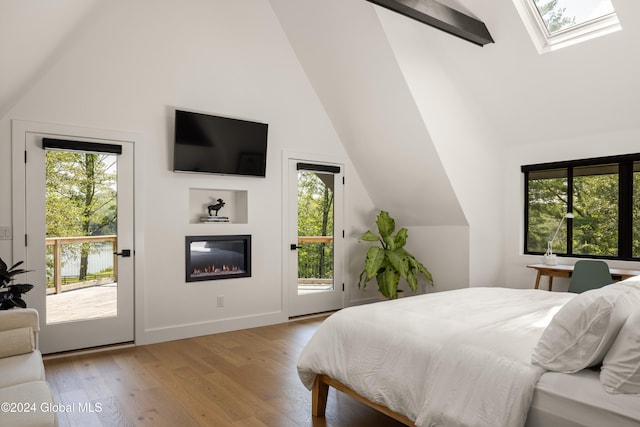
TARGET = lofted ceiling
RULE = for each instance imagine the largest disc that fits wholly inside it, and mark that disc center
(527, 97)
(415, 107)
(32, 34)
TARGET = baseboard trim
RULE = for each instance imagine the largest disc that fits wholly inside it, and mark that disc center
(89, 350)
(177, 332)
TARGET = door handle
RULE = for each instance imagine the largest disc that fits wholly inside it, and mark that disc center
(124, 254)
(294, 247)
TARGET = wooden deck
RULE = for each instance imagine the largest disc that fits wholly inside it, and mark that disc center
(101, 301)
(87, 303)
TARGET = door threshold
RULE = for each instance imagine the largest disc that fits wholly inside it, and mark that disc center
(88, 350)
(312, 315)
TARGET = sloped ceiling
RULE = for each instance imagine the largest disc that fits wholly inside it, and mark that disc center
(32, 33)
(588, 88)
(524, 97)
(353, 69)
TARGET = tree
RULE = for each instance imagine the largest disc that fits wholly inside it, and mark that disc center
(595, 208)
(635, 251)
(553, 16)
(595, 205)
(315, 218)
(547, 204)
(81, 197)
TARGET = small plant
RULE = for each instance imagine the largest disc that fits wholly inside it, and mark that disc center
(11, 294)
(391, 261)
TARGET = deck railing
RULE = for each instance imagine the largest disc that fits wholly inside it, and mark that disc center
(57, 244)
(319, 270)
(315, 268)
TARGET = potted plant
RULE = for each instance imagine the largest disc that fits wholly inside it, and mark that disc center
(390, 261)
(11, 294)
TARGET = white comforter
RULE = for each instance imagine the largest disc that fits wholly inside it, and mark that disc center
(456, 358)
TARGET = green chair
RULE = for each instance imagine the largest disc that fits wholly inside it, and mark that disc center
(589, 274)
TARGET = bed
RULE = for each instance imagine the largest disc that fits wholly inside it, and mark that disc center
(466, 358)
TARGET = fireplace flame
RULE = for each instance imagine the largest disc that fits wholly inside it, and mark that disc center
(212, 269)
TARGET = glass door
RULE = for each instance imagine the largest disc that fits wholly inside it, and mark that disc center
(316, 238)
(80, 240)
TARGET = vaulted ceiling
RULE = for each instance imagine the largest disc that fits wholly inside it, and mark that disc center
(588, 88)
(582, 89)
(380, 77)
(32, 34)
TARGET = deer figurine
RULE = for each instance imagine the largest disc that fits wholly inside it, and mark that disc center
(215, 207)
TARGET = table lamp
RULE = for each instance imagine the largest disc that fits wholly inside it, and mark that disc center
(549, 256)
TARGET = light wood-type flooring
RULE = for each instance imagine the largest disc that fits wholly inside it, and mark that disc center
(242, 378)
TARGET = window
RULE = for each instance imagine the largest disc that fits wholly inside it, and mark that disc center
(553, 24)
(562, 15)
(603, 194)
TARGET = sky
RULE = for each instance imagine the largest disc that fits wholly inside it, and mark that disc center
(585, 10)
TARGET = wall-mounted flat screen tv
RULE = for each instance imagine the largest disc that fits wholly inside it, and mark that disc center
(220, 145)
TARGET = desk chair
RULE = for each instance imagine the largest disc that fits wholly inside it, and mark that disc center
(589, 274)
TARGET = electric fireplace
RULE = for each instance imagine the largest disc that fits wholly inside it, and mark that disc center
(217, 257)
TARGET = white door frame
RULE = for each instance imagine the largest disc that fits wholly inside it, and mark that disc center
(287, 257)
(20, 131)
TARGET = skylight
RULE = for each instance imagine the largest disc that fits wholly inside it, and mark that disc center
(558, 15)
(553, 24)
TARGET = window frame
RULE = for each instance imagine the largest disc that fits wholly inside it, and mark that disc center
(545, 42)
(625, 164)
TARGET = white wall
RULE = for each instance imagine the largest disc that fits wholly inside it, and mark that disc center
(445, 253)
(354, 72)
(583, 147)
(470, 151)
(354, 69)
(127, 70)
(29, 51)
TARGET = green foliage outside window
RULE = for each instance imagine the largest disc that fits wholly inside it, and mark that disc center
(636, 216)
(81, 194)
(81, 200)
(602, 194)
(595, 206)
(547, 205)
(553, 16)
(315, 218)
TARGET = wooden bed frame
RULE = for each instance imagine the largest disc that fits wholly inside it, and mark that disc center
(320, 390)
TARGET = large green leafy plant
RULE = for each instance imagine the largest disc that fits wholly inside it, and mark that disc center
(11, 294)
(390, 261)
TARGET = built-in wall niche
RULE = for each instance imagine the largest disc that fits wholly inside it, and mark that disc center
(205, 200)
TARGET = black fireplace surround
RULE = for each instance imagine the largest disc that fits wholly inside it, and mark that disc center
(217, 257)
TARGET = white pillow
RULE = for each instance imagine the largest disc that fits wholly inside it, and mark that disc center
(16, 341)
(580, 334)
(621, 366)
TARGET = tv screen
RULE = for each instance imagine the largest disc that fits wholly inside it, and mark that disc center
(221, 145)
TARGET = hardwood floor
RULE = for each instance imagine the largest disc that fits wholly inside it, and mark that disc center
(245, 378)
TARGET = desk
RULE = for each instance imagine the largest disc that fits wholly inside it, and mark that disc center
(565, 270)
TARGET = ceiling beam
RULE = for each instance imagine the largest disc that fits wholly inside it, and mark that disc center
(442, 17)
